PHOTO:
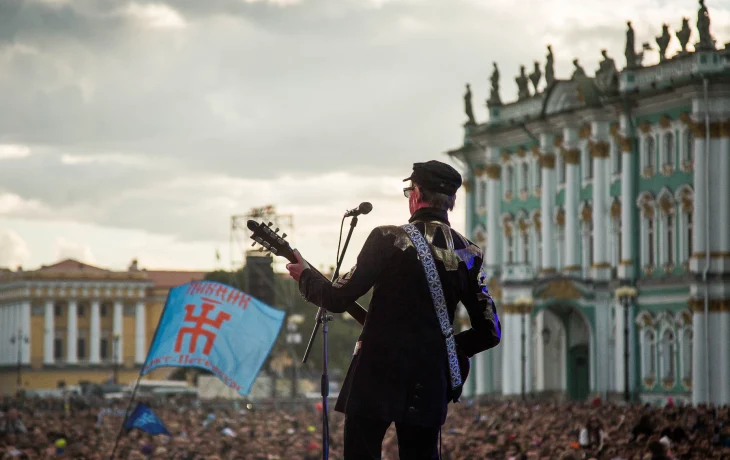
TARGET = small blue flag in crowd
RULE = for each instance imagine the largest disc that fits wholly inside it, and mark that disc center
(144, 418)
(218, 328)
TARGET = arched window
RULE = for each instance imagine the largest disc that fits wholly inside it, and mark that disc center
(561, 170)
(509, 178)
(538, 174)
(689, 146)
(670, 238)
(650, 241)
(668, 357)
(686, 355)
(482, 193)
(668, 150)
(690, 247)
(649, 356)
(510, 249)
(649, 152)
(525, 176)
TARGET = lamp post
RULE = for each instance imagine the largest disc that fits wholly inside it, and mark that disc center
(293, 338)
(115, 359)
(20, 339)
(626, 294)
(524, 306)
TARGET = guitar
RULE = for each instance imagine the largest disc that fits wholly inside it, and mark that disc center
(276, 244)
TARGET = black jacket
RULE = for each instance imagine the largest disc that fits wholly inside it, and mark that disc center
(400, 373)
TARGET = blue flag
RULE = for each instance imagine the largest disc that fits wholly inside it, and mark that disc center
(215, 327)
(144, 419)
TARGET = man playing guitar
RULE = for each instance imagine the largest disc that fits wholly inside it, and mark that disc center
(404, 368)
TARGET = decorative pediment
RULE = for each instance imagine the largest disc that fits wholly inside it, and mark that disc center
(644, 319)
(560, 289)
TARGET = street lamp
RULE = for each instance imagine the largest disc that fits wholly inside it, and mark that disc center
(115, 358)
(20, 339)
(524, 306)
(626, 294)
(293, 337)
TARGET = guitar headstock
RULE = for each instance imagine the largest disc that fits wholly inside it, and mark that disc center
(270, 240)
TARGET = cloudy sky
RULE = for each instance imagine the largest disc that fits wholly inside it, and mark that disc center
(136, 129)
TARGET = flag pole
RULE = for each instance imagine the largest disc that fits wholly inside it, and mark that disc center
(139, 377)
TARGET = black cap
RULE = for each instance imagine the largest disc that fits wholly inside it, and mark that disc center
(436, 177)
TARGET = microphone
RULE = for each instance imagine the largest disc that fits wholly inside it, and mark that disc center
(364, 208)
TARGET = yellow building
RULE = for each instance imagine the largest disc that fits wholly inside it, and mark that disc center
(71, 322)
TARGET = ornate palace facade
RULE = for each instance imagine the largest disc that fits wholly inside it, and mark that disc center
(590, 183)
(71, 322)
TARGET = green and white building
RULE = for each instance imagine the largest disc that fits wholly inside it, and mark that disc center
(590, 183)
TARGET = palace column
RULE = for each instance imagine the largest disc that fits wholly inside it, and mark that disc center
(494, 206)
(724, 250)
(95, 333)
(72, 332)
(25, 307)
(600, 149)
(547, 203)
(117, 330)
(628, 200)
(49, 336)
(140, 352)
(571, 156)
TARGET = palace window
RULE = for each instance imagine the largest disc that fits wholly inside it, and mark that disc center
(58, 342)
(587, 247)
(525, 167)
(648, 153)
(538, 174)
(615, 241)
(689, 146)
(648, 356)
(669, 221)
(103, 310)
(81, 311)
(509, 178)
(650, 242)
(668, 357)
(538, 249)
(482, 193)
(525, 247)
(561, 169)
(668, 150)
(58, 310)
(690, 226)
(104, 348)
(686, 354)
(510, 252)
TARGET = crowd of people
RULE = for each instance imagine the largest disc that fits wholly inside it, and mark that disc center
(86, 429)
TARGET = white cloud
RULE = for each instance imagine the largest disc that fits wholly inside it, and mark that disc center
(156, 15)
(12, 151)
(14, 250)
(66, 249)
(11, 203)
(127, 159)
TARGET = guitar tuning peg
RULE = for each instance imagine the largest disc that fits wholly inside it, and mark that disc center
(269, 224)
(261, 249)
(277, 229)
(283, 235)
(253, 244)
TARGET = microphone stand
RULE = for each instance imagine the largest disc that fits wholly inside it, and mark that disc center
(324, 318)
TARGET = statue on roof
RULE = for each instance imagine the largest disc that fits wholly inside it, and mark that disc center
(468, 107)
(535, 76)
(607, 74)
(579, 71)
(683, 35)
(523, 85)
(550, 67)
(703, 27)
(663, 42)
(630, 50)
(494, 98)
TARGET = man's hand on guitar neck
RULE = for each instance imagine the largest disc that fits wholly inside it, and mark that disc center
(296, 270)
